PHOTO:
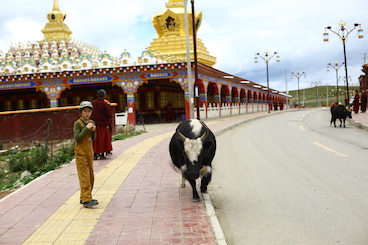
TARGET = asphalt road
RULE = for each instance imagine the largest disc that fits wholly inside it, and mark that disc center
(289, 178)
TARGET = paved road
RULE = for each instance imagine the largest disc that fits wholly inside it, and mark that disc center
(291, 179)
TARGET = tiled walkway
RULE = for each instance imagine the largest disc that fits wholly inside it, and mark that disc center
(139, 195)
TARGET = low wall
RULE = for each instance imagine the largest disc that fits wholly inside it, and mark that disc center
(30, 125)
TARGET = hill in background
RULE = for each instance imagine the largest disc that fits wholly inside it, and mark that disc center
(325, 95)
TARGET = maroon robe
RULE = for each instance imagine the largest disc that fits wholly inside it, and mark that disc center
(356, 102)
(103, 117)
(363, 102)
(170, 116)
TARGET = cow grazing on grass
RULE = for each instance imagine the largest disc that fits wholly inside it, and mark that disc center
(192, 149)
(339, 112)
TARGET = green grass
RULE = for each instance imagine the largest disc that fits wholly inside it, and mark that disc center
(123, 136)
(309, 95)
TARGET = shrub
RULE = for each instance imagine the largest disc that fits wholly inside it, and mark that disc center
(64, 155)
(31, 160)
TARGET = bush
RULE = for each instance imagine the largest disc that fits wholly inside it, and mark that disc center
(8, 180)
(2, 173)
(64, 155)
(31, 160)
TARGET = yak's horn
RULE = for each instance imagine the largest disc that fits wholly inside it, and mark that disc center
(205, 134)
(180, 135)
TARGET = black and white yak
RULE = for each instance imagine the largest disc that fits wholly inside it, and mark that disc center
(192, 149)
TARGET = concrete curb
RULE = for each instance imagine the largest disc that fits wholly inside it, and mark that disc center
(216, 227)
(358, 124)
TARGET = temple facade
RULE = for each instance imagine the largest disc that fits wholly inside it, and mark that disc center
(59, 72)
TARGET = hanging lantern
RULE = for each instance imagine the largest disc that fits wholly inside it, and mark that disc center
(255, 59)
(325, 37)
(277, 58)
(360, 33)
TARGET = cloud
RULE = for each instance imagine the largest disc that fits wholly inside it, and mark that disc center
(20, 30)
(232, 31)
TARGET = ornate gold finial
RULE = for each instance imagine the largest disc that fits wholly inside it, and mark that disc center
(175, 4)
(170, 27)
(56, 29)
(56, 5)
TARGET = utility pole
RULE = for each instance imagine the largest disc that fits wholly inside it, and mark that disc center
(364, 58)
(286, 82)
(327, 95)
(316, 83)
(287, 90)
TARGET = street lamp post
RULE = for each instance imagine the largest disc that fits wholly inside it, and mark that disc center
(343, 32)
(336, 67)
(298, 74)
(316, 83)
(189, 63)
(344, 81)
(194, 30)
(267, 58)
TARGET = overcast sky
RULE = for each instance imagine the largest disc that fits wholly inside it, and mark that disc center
(233, 31)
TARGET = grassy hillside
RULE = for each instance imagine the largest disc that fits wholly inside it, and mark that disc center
(309, 95)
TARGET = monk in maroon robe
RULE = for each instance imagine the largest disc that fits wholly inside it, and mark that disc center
(102, 116)
(170, 116)
(363, 102)
(356, 102)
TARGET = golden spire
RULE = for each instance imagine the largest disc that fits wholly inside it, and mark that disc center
(56, 29)
(56, 5)
(175, 4)
(171, 41)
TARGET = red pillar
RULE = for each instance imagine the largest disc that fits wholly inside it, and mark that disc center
(131, 108)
